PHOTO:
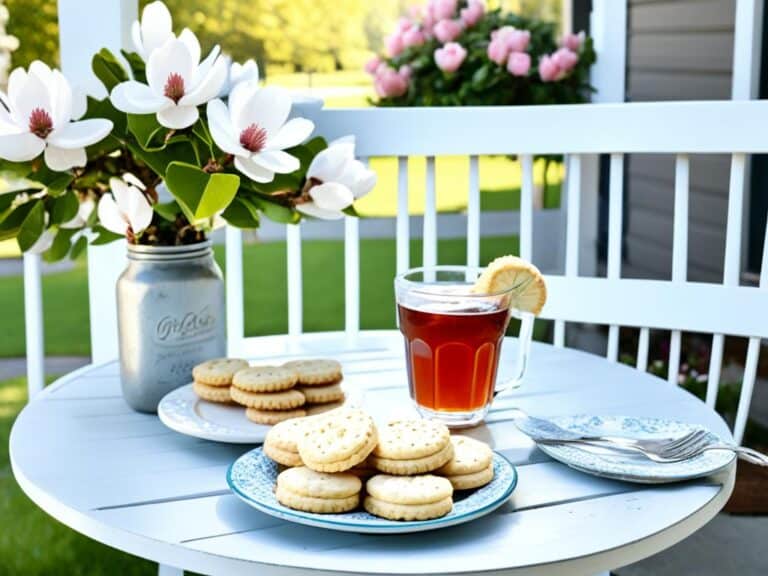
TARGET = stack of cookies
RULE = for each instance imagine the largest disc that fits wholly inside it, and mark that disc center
(422, 465)
(408, 447)
(271, 394)
(212, 379)
(471, 466)
(268, 394)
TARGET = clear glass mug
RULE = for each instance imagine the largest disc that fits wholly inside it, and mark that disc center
(453, 339)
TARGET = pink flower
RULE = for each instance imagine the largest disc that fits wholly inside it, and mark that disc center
(498, 51)
(519, 63)
(449, 57)
(442, 9)
(413, 37)
(372, 65)
(573, 41)
(473, 13)
(390, 83)
(565, 59)
(447, 30)
(516, 40)
(404, 24)
(548, 69)
(405, 71)
(394, 44)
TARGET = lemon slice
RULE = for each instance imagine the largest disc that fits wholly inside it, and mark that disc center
(521, 280)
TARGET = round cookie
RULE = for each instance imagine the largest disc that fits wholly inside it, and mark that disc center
(411, 439)
(265, 379)
(285, 435)
(407, 511)
(218, 372)
(338, 440)
(471, 480)
(212, 393)
(283, 400)
(322, 394)
(316, 372)
(271, 417)
(284, 457)
(409, 489)
(316, 505)
(306, 482)
(414, 466)
(469, 455)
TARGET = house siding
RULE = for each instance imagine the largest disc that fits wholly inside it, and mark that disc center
(677, 50)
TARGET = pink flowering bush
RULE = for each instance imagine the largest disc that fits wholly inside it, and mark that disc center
(459, 53)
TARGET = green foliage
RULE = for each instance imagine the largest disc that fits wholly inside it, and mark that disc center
(108, 69)
(480, 81)
(35, 24)
(199, 194)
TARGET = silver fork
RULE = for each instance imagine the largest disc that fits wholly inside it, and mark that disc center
(543, 430)
(652, 449)
(677, 454)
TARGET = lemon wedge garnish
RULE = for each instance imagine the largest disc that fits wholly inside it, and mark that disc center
(520, 280)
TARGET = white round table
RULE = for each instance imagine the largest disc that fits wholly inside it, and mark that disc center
(123, 479)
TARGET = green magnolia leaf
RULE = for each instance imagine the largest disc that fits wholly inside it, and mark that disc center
(63, 208)
(241, 214)
(31, 226)
(138, 68)
(55, 182)
(77, 249)
(146, 129)
(199, 194)
(276, 212)
(62, 242)
(168, 210)
(158, 160)
(15, 169)
(108, 69)
(104, 236)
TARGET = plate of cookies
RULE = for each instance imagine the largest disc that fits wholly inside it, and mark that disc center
(232, 401)
(339, 470)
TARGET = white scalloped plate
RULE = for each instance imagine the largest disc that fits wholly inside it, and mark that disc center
(252, 478)
(634, 467)
(183, 411)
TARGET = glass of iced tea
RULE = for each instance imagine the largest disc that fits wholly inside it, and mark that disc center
(453, 339)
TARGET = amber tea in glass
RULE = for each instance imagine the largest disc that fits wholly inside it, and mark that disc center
(453, 340)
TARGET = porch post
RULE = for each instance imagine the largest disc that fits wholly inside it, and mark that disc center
(608, 28)
(86, 26)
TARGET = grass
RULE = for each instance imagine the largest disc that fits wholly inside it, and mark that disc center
(31, 542)
(65, 294)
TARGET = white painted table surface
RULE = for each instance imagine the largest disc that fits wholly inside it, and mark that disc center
(123, 479)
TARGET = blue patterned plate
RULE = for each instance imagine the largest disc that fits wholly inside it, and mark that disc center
(634, 467)
(252, 478)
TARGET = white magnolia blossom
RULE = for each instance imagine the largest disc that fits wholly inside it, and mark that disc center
(252, 127)
(37, 116)
(154, 30)
(248, 71)
(126, 207)
(339, 179)
(177, 83)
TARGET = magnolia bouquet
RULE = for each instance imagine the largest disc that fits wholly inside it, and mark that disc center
(180, 144)
(458, 53)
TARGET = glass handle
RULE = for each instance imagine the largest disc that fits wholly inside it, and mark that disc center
(524, 339)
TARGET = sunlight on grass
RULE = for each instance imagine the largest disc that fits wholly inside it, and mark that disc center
(498, 175)
(9, 249)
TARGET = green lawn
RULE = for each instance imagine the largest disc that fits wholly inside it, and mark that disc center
(31, 542)
(65, 294)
